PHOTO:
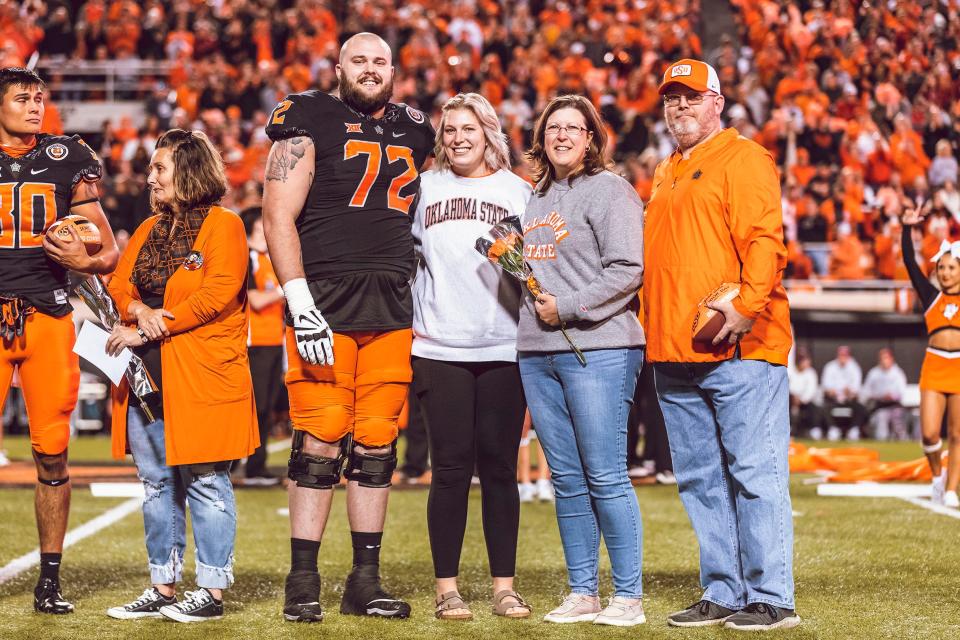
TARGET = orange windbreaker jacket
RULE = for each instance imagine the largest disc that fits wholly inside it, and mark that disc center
(208, 405)
(713, 218)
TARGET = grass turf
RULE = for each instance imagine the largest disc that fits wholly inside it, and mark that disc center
(865, 568)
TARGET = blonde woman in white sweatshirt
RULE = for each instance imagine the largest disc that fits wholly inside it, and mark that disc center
(464, 348)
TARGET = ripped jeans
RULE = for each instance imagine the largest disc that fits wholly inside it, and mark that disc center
(213, 509)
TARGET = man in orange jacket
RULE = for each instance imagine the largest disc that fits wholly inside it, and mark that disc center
(714, 216)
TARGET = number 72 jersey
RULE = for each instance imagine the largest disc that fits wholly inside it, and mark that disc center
(357, 215)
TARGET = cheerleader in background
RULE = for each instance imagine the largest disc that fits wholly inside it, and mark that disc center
(940, 375)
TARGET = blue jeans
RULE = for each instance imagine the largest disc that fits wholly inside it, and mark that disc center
(580, 414)
(213, 509)
(729, 430)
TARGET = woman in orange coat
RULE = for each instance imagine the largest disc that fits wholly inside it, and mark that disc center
(180, 287)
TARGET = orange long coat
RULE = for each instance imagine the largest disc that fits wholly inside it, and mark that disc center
(208, 405)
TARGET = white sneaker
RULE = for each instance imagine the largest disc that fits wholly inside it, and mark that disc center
(622, 612)
(666, 477)
(951, 500)
(853, 435)
(576, 607)
(816, 433)
(545, 490)
(146, 606)
(4, 460)
(527, 491)
(645, 470)
(833, 434)
(938, 488)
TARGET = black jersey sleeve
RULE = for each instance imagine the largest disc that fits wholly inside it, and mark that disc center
(84, 161)
(299, 114)
(925, 289)
(407, 115)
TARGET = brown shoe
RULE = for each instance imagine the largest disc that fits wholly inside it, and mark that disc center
(509, 599)
(450, 606)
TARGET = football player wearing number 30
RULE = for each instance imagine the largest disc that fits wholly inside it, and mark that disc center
(44, 178)
(341, 183)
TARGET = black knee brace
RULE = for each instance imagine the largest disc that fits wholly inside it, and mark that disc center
(371, 470)
(313, 472)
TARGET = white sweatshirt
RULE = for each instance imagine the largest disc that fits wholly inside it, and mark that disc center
(464, 308)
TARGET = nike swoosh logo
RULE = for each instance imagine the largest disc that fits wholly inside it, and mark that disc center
(398, 135)
(34, 172)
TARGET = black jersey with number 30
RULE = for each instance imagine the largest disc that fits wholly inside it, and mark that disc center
(357, 216)
(35, 191)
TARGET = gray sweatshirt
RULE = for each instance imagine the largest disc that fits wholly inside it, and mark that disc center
(585, 246)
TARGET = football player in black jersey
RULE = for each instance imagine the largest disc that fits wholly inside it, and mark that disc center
(341, 183)
(44, 178)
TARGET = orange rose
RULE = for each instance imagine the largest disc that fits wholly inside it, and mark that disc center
(496, 250)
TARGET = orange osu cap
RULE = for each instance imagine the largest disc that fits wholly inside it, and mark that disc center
(695, 74)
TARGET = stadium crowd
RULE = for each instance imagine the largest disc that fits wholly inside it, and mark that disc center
(856, 101)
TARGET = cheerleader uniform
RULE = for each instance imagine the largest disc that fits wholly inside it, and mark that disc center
(941, 367)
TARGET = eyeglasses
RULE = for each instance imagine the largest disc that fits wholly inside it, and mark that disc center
(673, 100)
(572, 130)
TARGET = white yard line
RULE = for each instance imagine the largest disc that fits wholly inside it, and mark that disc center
(936, 508)
(18, 565)
(875, 490)
(87, 529)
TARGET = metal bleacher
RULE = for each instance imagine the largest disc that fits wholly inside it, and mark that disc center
(87, 92)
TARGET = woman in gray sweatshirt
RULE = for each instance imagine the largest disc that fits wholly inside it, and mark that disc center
(583, 238)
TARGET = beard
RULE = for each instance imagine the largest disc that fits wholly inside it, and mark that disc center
(685, 129)
(691, 131)
(353, 96)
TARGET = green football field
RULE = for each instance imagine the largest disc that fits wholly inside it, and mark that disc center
(865, 568)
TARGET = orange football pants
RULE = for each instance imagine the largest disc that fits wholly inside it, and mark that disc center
(362, 393)
(49, 377)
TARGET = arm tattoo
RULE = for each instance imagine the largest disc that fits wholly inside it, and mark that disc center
(287, 153)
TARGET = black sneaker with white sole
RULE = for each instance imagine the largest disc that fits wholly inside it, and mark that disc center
(48, 599)
(759, 616)
(701, 614)
(363, 596)
(197, 606)
(302, 597)
(146, 606)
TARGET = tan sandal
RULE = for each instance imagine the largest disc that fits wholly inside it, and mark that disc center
(513, 601)
(450, 606)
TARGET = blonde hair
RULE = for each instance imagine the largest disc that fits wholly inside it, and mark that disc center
(497, 154)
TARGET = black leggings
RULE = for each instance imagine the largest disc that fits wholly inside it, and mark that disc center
(474, 416)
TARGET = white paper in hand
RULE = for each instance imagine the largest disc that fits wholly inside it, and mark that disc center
(92, 346)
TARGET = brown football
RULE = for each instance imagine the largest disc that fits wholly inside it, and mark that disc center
(89, 233)
(708, 322)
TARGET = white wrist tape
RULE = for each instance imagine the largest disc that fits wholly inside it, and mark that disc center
(298, 296)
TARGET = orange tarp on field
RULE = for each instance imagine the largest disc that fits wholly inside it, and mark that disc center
(856, 464)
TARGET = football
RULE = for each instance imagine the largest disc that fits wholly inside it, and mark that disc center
(708, 322)
(89, 233)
